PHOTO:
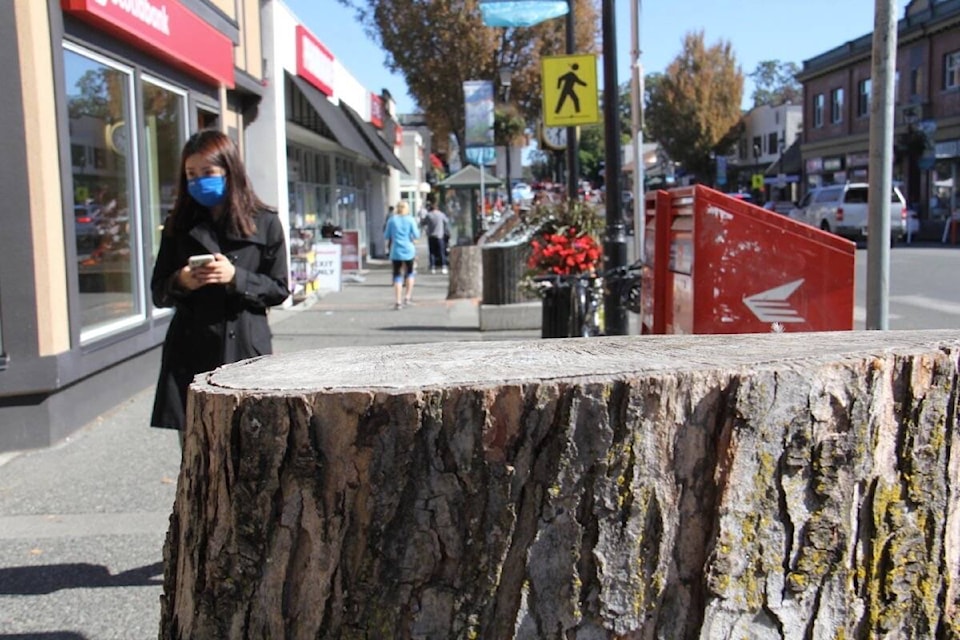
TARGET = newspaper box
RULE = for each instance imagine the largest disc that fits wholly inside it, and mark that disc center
(721, 265)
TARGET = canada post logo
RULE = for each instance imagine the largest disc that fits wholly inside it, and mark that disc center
(144, 11)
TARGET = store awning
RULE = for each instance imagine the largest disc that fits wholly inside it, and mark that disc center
(373, 138)
(344, 132)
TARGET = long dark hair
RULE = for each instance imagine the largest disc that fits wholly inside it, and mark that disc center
(241, 204)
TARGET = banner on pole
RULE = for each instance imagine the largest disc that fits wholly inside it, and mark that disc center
(478, 101)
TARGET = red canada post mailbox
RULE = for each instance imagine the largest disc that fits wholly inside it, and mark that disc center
(716, 264)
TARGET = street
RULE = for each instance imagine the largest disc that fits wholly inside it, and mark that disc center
(923, 287)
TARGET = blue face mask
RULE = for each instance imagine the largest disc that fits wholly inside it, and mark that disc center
(208, 190)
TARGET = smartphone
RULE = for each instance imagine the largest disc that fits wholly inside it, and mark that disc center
(201, 260)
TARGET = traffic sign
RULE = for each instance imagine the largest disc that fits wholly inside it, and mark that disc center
(570, 91)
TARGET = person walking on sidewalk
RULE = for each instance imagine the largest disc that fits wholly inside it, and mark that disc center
(222, 262)
(437, 226)
(401, 231)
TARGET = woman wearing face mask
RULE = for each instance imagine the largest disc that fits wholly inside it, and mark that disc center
(220, 307)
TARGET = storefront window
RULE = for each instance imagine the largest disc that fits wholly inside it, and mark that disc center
(164, 133)
(99, 106)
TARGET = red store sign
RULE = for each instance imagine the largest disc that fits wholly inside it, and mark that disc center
(376, 111)
(314, 61)
(166, 29)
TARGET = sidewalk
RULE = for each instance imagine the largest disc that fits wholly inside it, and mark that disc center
(82, 523)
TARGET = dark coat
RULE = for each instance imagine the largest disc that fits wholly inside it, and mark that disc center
(215, 324)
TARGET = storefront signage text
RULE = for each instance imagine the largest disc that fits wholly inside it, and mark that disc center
(314, 61)
(165, 29)
(143, 11)
(832, 164)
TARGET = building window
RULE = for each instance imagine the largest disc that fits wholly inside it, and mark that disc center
(165, 132)
(105, 192)
(916, 82)
(951, 64)
(818, 110)
(836, 106)
(772, 139)
(757, 147)
(864, 88)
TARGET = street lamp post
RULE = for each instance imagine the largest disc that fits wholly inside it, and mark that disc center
(781, 179)
(756, 167)
(506, 76)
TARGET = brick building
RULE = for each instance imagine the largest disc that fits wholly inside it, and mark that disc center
(836, 111)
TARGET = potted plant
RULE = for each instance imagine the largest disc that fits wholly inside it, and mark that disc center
(564, 257)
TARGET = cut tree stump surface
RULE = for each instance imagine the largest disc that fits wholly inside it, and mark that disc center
(419, 366)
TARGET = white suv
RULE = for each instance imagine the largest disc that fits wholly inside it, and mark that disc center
(842, 209)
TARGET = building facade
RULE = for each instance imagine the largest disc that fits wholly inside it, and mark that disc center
(98, 98)
(325, 148)
(767, 133)
(837, 90)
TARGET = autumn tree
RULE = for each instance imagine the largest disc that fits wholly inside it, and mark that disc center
(436, 45)
(775, 83)
(693, 106)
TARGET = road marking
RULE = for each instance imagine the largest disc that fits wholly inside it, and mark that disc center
(772, 306)
(933, 304)
(860, 315)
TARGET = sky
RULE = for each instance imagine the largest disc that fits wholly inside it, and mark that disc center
(785, 30)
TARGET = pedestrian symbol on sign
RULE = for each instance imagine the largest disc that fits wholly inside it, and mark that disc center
(567, 83)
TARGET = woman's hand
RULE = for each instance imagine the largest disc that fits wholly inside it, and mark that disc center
(220, 271)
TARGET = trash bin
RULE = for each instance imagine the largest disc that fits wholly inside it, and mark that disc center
(504, 266)
(721, 265)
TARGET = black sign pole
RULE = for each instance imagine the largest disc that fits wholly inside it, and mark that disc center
(615, 244)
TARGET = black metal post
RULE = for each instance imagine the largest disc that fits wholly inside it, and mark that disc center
(506, 146)
(573, 171)
(615, 244)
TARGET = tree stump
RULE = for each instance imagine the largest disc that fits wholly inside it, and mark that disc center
(466, 272)
(749, 486)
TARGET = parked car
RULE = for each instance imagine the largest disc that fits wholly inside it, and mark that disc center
(783, 207)
(87, 224)
(842, 209)
(522, 192)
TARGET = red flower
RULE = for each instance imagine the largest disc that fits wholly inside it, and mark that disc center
(564, 253)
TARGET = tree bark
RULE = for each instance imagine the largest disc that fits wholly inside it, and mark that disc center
(466, 273)
(754, 486)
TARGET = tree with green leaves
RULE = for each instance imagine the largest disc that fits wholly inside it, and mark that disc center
(436, 45)
(775, 83)
(693, 106)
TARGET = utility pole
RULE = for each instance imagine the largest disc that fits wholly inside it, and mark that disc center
(615, 243)
(573, 171)
(636, 121)
(881, 164)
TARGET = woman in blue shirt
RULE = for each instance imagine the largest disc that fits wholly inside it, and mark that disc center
(400, 233)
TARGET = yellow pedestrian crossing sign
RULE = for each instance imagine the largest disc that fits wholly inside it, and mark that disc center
(570, 93)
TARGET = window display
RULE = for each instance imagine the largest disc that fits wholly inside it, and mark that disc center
(99, 105)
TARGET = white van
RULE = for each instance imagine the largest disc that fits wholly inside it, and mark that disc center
(842, 209)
